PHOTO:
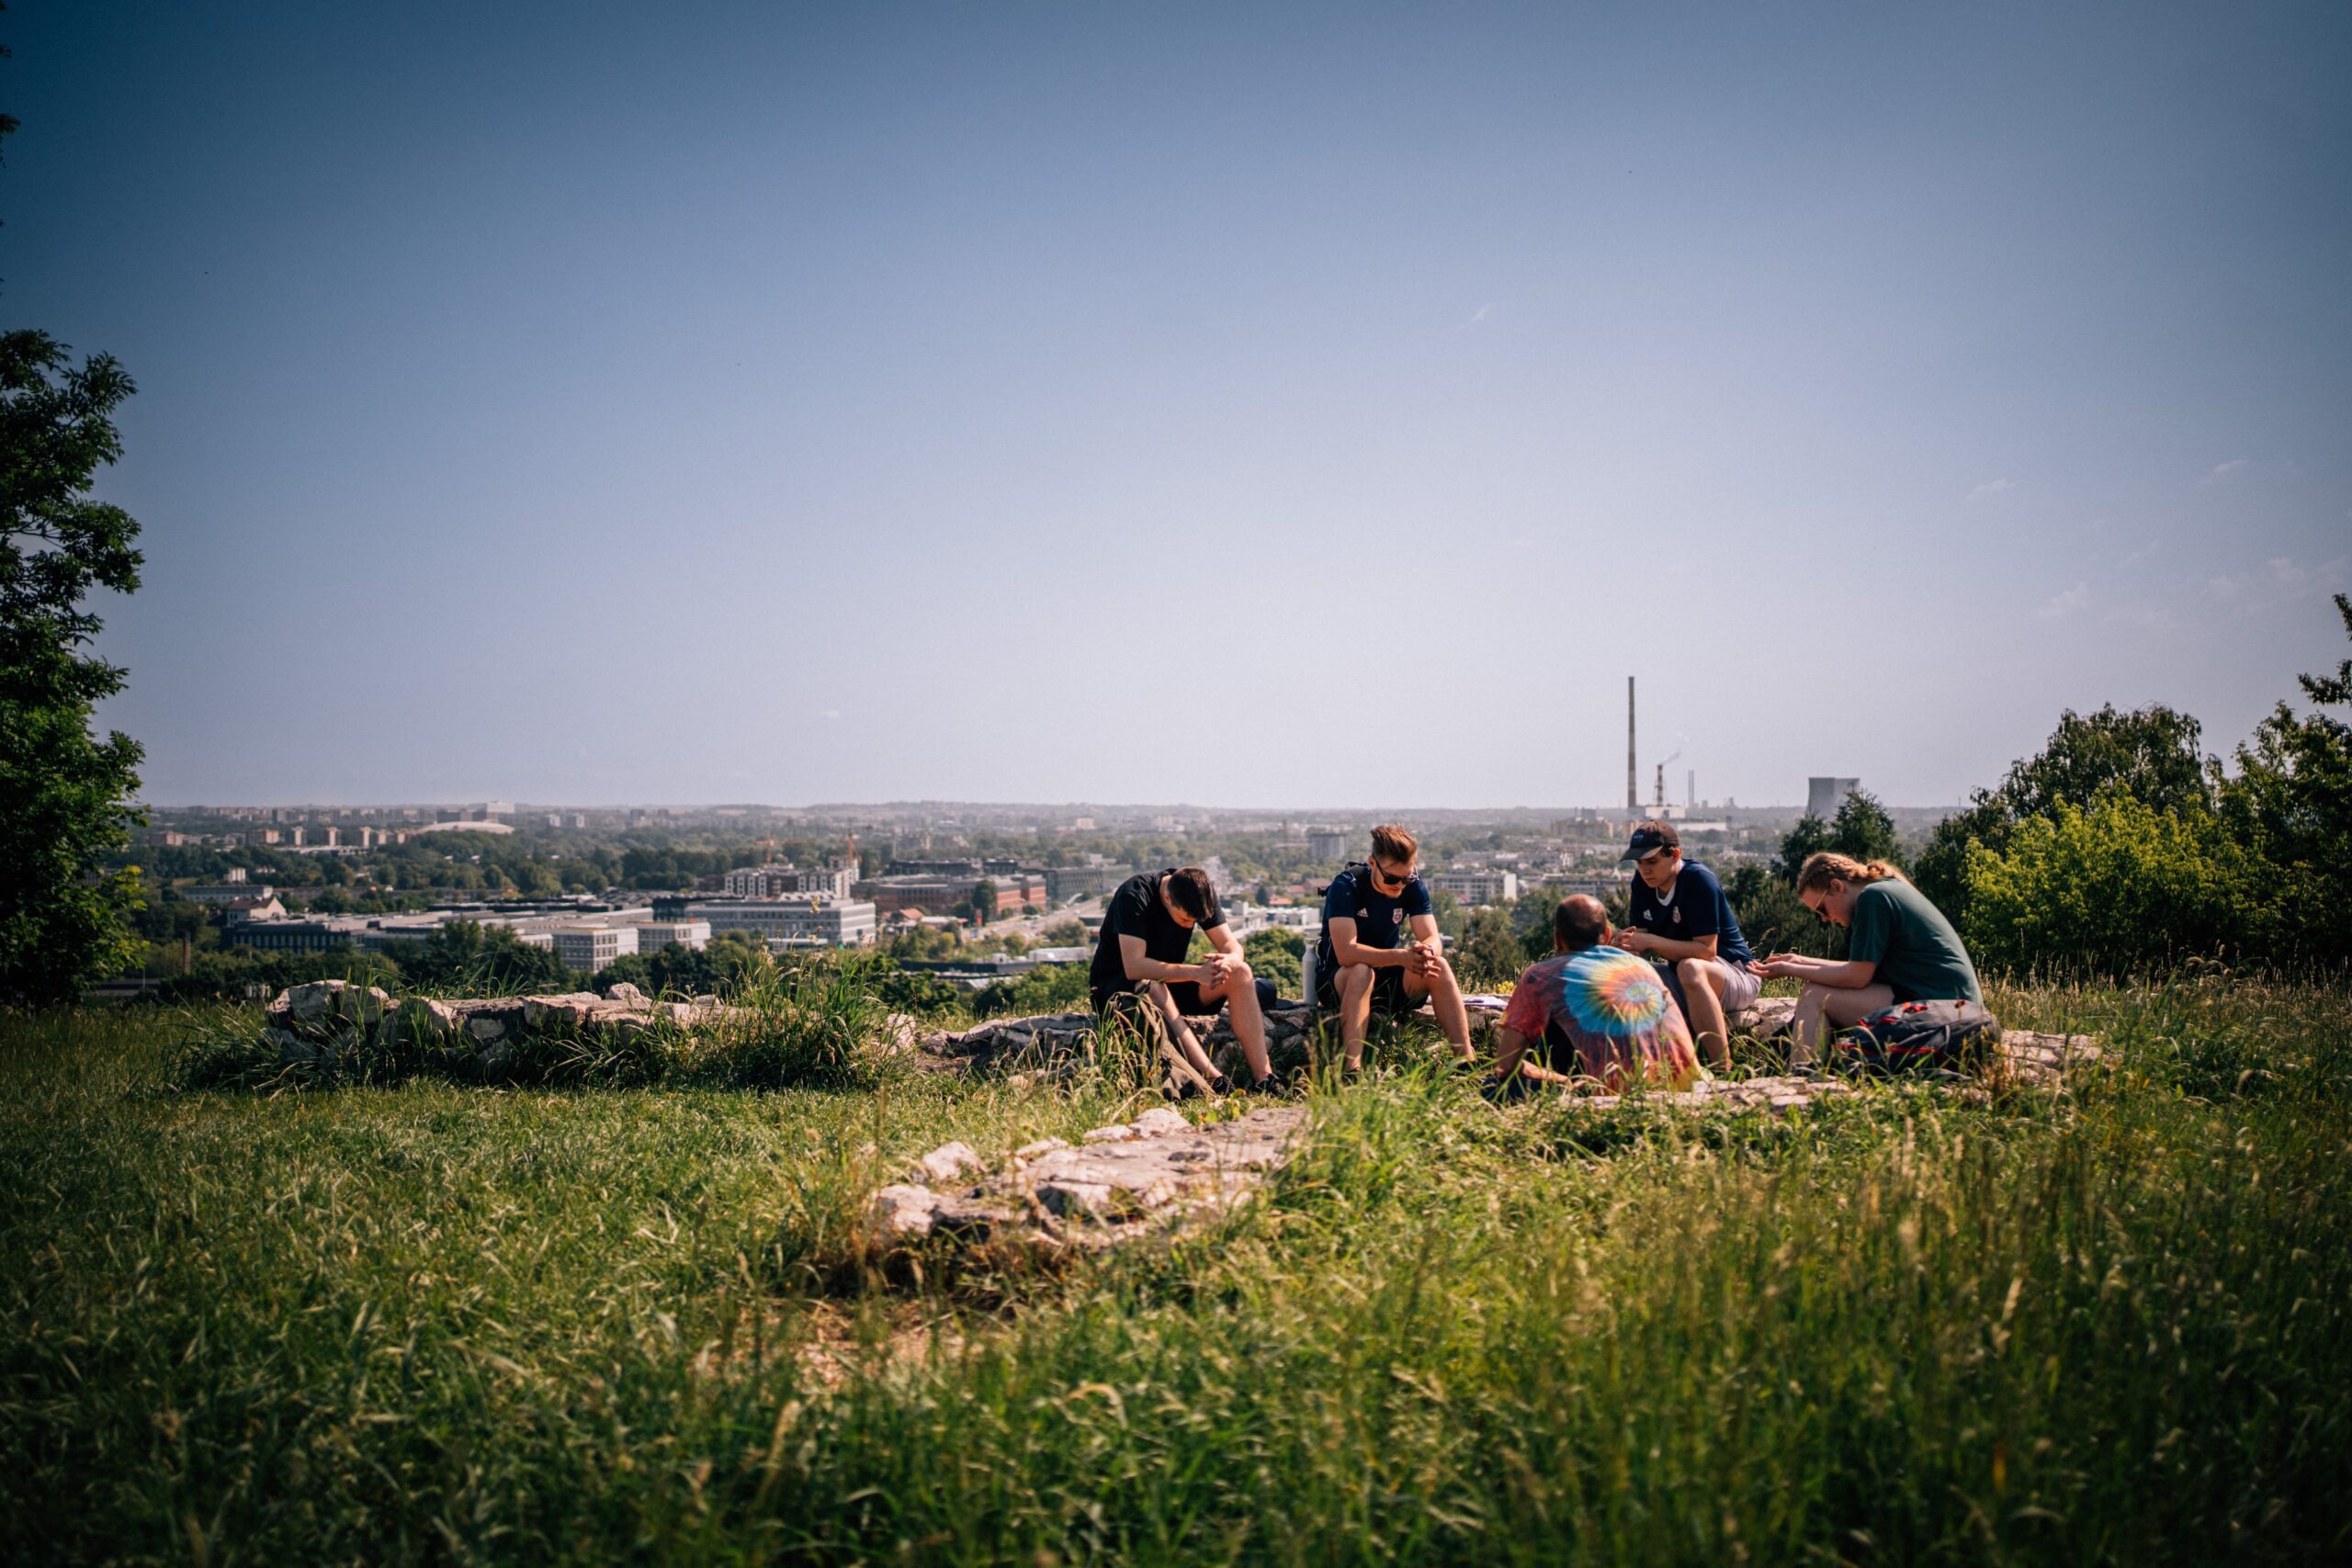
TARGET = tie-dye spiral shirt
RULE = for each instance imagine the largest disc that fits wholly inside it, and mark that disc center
(1614, 1009)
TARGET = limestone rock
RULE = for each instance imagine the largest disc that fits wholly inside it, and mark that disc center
(902, 1210)
(1160, 1170)
(949, 1161)
(622, 991)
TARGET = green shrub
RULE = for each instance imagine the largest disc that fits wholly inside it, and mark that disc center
(1279, 955)
(2119, 888)
(1049, 987)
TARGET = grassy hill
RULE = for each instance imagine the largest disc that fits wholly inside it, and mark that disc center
(457, 1323)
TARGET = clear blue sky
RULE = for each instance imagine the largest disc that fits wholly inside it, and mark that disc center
(1265, 404)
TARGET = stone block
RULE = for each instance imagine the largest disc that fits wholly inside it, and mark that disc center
(902, 1210)
(948, 1162)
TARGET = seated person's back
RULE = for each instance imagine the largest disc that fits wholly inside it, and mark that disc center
(1613, 1011)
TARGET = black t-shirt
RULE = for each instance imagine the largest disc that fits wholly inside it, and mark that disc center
(1381, 922)
(1136, 910)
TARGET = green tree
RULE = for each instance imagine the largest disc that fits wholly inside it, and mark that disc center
(2290, 804)
(1774, 920)
(1862, 828)
(1490, 953)
(65, 796)
(2119, 888)
(1277, 955)
(1810, 836)
(2152, 754)
(461, 956)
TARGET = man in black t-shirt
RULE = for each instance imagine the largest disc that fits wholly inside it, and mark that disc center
(1363, 958)
(1147, 929)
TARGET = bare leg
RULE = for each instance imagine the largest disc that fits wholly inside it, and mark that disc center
(1240, 996)
(1355, 1012)
(1839, 1007)
(1180, 1034)
(1711, 1031)
(1444, 994)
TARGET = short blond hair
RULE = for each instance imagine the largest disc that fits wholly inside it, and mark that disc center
(1394, 843)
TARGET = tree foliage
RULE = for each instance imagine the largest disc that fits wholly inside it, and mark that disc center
(462, 956)
(2119, 888)
(2291, 804)
(2151, 754)
(65, 796)
(1278, 954)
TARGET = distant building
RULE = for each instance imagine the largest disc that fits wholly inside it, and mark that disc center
(1824, 796)
(655, 935)
(590, 948)
(806, 921)
(1064, 882)
(262, 905)
(227, 892)
(1328, 843)
(777, 881)
(325, 934)
(944, 895)
(1475, 887)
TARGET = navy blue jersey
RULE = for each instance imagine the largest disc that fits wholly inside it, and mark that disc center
(1696, 909)
(1380, 922)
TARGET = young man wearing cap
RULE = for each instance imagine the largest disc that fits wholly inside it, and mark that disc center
(1146, 931)
(1681, 921)
(1363, 958)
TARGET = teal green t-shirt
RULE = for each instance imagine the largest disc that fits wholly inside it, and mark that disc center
(1915, 950)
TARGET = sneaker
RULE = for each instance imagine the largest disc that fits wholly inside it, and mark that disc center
(1275, 1085)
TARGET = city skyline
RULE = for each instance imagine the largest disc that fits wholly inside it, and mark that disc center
(890, 403)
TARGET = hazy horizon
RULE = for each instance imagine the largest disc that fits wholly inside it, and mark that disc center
(1325, 402)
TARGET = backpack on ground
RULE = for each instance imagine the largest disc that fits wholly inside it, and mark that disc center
(1913, 1037)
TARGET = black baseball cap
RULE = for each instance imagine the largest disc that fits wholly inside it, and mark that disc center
(1649, 838)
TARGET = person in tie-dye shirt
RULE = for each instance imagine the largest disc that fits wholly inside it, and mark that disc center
(1603, 1015)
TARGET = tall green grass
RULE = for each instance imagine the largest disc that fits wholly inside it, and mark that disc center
(434, 1320)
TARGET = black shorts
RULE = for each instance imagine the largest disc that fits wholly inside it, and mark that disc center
(1185, 994)
(1389, 998)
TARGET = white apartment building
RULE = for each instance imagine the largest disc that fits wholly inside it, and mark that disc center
(784, 881)
(590, 948)
(1475, 887)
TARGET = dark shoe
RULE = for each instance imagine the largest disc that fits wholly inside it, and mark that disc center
(1276, 1086)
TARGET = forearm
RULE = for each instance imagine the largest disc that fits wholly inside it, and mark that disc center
(1370, 957)
(1668, 948)
(1851, 976)
(1139, 969)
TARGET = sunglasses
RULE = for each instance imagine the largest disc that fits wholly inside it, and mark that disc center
(1387, 878)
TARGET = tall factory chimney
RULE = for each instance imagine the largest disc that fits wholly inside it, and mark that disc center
(1691, 788)
(1633, 780)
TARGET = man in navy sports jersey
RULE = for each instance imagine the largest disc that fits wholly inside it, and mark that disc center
(1380, 948)
(1681, 921)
